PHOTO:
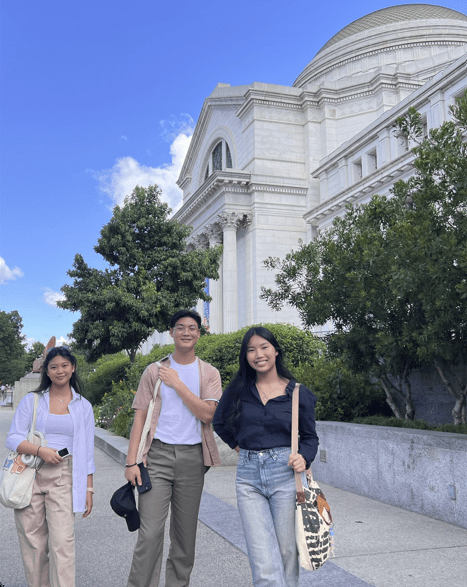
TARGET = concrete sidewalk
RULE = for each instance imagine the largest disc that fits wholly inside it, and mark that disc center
(376, 544)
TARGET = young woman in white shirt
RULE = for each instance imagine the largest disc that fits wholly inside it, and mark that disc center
(63, 485)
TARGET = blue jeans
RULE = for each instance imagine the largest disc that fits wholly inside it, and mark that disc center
(266, 502)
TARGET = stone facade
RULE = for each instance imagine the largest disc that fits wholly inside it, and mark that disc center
(269, 165)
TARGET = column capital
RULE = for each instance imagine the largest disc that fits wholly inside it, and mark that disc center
(233, 220)
(199, 241)
(213, 233)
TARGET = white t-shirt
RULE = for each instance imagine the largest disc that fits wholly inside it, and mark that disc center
(176, 424)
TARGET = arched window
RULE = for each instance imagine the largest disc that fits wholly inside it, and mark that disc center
(219, 159)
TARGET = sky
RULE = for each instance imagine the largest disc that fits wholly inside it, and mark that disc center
(100, 96)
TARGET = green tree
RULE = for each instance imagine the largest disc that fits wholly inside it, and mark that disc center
(342, 276)
(151, 276)
(11, 347)
(391, 275)
(434, 261)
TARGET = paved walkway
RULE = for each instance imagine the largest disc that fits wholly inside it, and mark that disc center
(376, 544)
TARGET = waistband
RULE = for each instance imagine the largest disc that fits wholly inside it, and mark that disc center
(266, 452)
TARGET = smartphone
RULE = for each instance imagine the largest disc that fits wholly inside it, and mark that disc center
(63, 452)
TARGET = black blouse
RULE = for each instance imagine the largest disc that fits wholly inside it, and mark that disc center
(269, 426)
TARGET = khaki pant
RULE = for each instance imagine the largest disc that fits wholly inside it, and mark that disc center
(177, 477)
(46, 528)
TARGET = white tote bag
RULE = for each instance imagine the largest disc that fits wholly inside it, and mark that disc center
(19, 471)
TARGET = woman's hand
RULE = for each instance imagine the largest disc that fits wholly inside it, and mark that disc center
(297, 463)
(50, 455)
(89, 502)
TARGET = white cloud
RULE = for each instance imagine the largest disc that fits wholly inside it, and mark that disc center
(7, 274)
(124, 137)
(52, 297)
(62, 341)
(119, 181)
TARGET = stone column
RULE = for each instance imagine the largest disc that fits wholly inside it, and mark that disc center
(201, 242)
(229, 222)
(214, 235)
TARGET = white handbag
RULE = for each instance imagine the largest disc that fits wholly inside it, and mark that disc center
(19, 471)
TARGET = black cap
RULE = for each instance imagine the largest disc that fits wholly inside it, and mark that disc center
(123, 504)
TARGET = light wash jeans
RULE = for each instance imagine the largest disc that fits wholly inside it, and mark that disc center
(266, 502)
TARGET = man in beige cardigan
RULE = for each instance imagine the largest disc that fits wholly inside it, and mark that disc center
(178, 451)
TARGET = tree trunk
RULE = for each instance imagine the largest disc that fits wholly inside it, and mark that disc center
(390, 397)
(459, 391)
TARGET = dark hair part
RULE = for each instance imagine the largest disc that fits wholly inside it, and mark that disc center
(64, 352)
(246, 374)
(184, 314)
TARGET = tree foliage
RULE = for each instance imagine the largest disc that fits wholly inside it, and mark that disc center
(392, 274)
(35, 352)
(11, 347)
(151, 276)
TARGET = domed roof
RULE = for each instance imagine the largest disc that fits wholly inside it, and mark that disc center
(403, 12)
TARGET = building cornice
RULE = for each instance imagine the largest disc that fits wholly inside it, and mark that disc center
(232, 102)
(416, 99)
(234, 180)
(382, 176)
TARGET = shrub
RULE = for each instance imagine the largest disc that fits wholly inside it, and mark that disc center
(341, 394)
(107, 369)
(115, 411)
(414, 424)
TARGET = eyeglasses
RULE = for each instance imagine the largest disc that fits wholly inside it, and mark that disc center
(191, 329)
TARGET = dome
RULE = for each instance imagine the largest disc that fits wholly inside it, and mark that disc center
(392, 14)
(385, 37)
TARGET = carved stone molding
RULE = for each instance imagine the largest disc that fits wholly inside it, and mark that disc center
(235, 220)
(200, 241)
(214, 234)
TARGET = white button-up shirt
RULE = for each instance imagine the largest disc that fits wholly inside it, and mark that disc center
(83, 437)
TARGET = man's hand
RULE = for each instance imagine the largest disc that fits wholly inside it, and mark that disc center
(133, 475)
(169, 377)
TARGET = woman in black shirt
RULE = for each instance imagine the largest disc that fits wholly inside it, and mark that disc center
(254, 417)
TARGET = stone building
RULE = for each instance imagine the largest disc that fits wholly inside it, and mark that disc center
(269, 165)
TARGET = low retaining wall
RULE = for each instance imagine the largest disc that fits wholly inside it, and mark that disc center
(418, 470)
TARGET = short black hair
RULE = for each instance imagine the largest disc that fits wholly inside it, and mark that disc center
(184, 314)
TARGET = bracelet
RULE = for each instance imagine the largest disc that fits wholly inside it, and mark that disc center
(38, 449)
(133, 465)
(91, 489)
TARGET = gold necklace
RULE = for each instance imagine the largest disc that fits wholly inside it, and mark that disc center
(267, 395)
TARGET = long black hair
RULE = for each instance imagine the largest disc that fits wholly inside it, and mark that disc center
(246, 374)
(63, 351)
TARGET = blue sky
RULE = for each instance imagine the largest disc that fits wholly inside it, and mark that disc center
(99, 96)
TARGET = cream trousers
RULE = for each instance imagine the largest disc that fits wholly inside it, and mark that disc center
(46, 528)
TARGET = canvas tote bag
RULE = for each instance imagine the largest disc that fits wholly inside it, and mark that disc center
(19, 471)
(313, 520)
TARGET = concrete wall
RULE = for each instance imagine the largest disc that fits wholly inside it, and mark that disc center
(424, 472)
(28, 383)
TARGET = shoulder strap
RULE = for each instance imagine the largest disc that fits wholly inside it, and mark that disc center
(147, 423)
(294, 438)
(34, 416)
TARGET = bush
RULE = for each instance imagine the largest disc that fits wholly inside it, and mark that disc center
(342, 395)
(107, 369)
(414, 424)
(115, 411)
